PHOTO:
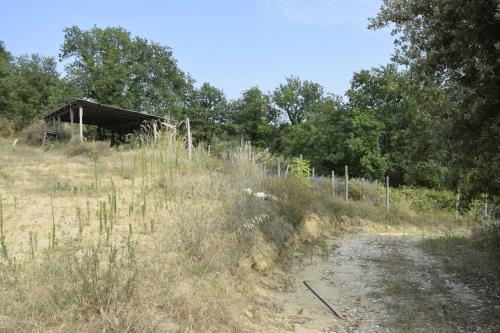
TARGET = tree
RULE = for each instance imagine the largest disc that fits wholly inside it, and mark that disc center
(252, 116)
(296, 99)
(322, 138)
(26, 86)
(403, 117)
(209, 114)
(109, 66)
(456, 43)
(6, 72)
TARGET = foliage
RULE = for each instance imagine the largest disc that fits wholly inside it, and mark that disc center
(26, 86)
(300, 167)
(296, 99)
(112, 67)
(34, 133)
(208, 114)
(294, 197)
(251, 117)
(456, 44)
(76, 148)
(6, 127)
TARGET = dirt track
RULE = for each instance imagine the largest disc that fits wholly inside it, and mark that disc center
(383, 283)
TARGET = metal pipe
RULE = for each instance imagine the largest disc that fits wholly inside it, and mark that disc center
(322, 300)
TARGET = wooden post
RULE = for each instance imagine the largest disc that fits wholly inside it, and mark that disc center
(313, 173)
(155, 134)
(387, 193)
(333, 183)
(265, 169)
(71, 119)
(286, 171)
(58, 127)
(457, 204)
(208, 150)
(346, 185)
(486, 214)
(189, 138)
(80, 113)
(279, 168)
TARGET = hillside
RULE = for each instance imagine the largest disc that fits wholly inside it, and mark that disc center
(143, 239)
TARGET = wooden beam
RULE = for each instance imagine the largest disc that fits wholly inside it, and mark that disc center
(80, 112)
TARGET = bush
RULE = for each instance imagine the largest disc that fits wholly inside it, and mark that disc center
(7, 128)
(94, 148)
(34, 133)
(294, 197)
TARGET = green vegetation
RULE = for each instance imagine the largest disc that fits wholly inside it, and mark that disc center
(428, 119)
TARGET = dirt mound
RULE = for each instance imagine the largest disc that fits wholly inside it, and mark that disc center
(312, 228)
(262, 256)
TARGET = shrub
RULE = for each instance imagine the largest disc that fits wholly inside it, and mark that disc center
(34, 133)
(294, 197)
(276, 230)
(95, 148)
(7, 128)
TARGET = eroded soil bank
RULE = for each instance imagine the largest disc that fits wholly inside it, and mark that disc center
(381, 283)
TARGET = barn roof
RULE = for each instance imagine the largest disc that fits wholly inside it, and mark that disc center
(102, 115)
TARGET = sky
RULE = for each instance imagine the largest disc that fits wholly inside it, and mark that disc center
(232, 44)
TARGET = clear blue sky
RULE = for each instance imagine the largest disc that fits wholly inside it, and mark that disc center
(233, 44)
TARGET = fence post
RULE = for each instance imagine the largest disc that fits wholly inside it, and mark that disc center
(155, 134)
(189, 138)
(387, 193)
(208, 150)
(486, 206)
(333, 183)
(346, 185)
(279, 168)
(286, 171)
(457, 204)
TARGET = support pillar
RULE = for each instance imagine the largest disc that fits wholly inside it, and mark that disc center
(71, 119)
(59, 127)
(80, 113)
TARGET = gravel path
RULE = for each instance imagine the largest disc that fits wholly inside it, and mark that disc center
(382, 283)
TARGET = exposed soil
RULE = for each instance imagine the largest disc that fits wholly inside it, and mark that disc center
(381, 283)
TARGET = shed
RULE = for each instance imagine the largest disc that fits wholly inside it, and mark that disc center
(106, 117)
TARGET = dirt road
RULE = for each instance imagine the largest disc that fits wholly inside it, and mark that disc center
(383, 283)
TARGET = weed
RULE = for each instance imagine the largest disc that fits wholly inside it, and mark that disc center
(3, 244)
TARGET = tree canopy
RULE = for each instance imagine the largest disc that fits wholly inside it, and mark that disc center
(456, 43)
(112, 67)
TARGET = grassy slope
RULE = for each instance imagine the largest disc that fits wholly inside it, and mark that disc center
(146, 240)
(141, 240)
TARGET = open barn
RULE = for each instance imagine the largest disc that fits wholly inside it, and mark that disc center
(111, 122)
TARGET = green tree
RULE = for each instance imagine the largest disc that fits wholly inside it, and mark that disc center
(296, 99)
(252, 115)
(26, 86)
(456, 43)
(6, 73)
(321, 139)
(209, 113)
(110, 66)
(393, 108)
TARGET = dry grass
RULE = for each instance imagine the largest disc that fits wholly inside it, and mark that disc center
(138, 240)
(146, 240)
